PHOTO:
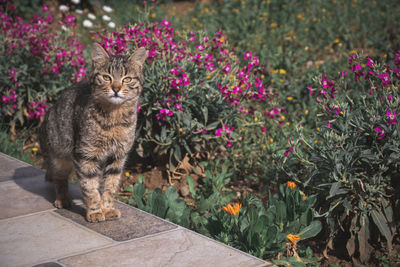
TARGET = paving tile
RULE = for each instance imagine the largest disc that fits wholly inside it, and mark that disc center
(40, 237)
(48, 264)
(175, 248)
(28, 195)
(133, 222)
(11, 168)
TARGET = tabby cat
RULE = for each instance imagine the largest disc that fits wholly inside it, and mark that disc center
(91, 128)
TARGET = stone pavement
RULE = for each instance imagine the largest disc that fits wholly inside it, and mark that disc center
(34, 233)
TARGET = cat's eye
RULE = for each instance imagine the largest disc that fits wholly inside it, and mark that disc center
(127, 80)
(107, 78)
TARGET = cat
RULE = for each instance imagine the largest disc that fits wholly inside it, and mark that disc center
(90, 130)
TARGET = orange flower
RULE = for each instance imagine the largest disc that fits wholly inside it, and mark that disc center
(293, 238)
(304, 196)
(232, 210)
(291, 185)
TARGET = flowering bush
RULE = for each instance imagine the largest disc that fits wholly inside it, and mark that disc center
(352, 162)
(195, 89)
(38, 60)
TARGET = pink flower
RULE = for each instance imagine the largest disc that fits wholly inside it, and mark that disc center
(389, 97)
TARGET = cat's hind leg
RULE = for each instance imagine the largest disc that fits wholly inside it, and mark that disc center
(58, 171)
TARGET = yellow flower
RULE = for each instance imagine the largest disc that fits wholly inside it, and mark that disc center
(271, 140)
(290, 98)
(282, 71)
(318, 129)
(307, 111)
(34, 149)
(288, 123)
(264, 147)
(255, 119)
(282, 117)
(262, 76)
(127, 174)
(316, 141)
(232, 210)
(293, 238)
(291, 185)
(194, 19)
(153, 15)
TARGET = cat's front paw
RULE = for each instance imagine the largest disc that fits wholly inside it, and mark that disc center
(95, 217)
(112, 214)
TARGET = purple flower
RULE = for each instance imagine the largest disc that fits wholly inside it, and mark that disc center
(389, 97)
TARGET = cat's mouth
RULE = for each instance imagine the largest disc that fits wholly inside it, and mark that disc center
(116, 99)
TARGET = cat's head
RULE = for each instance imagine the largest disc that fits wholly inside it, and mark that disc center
(116, 79)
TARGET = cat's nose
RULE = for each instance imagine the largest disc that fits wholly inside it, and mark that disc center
(116, 89)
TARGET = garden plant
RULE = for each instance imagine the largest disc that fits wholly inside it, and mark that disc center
(286, 113)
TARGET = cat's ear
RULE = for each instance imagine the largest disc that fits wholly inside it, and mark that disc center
(99, 55)
(139, 56)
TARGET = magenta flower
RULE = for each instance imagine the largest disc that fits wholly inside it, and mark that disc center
(288, 151)
(380, 131)
(392, 117)
(164, 113)
(247, 55)
(389, 97)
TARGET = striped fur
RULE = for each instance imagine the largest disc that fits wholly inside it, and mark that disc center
(91, 129)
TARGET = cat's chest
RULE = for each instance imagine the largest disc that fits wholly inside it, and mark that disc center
(108, 132)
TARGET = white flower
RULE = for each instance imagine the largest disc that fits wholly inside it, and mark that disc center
(107, 9)
(111, 24)
(79, 11)
(75, 1)
(64, 28)
(91, 16)
(63, 8)
(87, 23)
(106, 18)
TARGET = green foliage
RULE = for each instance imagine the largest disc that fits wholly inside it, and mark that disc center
(167, 205)
(12, 148)
(263, 232)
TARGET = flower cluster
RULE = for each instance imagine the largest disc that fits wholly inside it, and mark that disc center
(215, 65)
(225, 132)
(10, 98)
(36, 109)
(38, 62)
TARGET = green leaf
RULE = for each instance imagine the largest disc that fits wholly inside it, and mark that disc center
(192, 188)
(388, 210)
(382, 224)
(138, 192)
(365, 248)
(334, 189)
(310, 231)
